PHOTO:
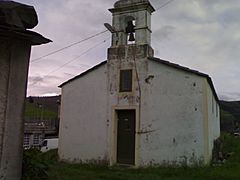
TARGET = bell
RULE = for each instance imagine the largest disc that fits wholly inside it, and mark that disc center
(130, 27)
(131, 37)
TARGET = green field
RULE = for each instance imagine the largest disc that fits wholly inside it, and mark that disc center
(39, 165)
(32, 111)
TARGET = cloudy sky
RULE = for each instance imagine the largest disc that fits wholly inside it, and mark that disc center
(200, 34)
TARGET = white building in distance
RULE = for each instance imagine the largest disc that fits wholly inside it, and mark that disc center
(136, 109)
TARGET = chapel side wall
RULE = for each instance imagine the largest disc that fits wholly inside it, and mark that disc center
(213, 120)
(172, 119)
(83, 124)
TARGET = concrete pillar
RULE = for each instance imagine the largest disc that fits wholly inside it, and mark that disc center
(15, 48)
(15, 57)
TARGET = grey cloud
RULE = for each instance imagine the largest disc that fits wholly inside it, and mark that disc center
(228, 96)
(32, 80)
(41, 90)
(201, 34)
(51, 77)
(164, 33)
(230, 16)
(43, 85)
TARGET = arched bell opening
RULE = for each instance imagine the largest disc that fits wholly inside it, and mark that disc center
(130, 29)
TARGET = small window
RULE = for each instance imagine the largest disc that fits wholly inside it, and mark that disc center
(125, 80)
(36, 139)
(26, 141)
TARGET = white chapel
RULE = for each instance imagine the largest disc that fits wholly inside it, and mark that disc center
(136, 109)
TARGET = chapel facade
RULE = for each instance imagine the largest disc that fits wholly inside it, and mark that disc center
(137, 109)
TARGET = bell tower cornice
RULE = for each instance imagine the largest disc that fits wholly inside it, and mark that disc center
(132, 7)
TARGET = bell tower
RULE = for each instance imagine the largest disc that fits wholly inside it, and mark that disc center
(131, 22)
(131, 29)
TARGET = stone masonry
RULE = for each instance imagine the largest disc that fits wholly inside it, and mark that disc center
(15, 48)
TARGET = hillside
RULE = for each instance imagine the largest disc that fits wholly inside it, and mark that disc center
(42, 107)
(230, 115)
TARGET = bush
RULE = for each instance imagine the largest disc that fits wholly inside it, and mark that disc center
(35, 166)
(231, 148)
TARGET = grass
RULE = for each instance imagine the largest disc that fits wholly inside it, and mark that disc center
(32, 111)
(228, 171)
(86, 172)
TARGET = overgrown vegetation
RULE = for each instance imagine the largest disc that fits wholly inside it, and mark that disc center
(34, 165)
(231, 150)
(39, 165)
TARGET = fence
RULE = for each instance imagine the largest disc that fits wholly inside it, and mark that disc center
(49, 124)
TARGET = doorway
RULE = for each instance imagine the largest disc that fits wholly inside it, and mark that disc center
(126, 136)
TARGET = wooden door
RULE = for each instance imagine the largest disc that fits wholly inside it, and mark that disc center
(126, 137)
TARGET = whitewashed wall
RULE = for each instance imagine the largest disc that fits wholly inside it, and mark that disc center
(83, 125)
(213, 116)
(172, 117)
(177, 122)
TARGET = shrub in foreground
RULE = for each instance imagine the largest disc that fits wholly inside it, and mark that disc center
(35, 166)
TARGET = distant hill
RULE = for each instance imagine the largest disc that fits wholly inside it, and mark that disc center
(42, 107)
(230, 115)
